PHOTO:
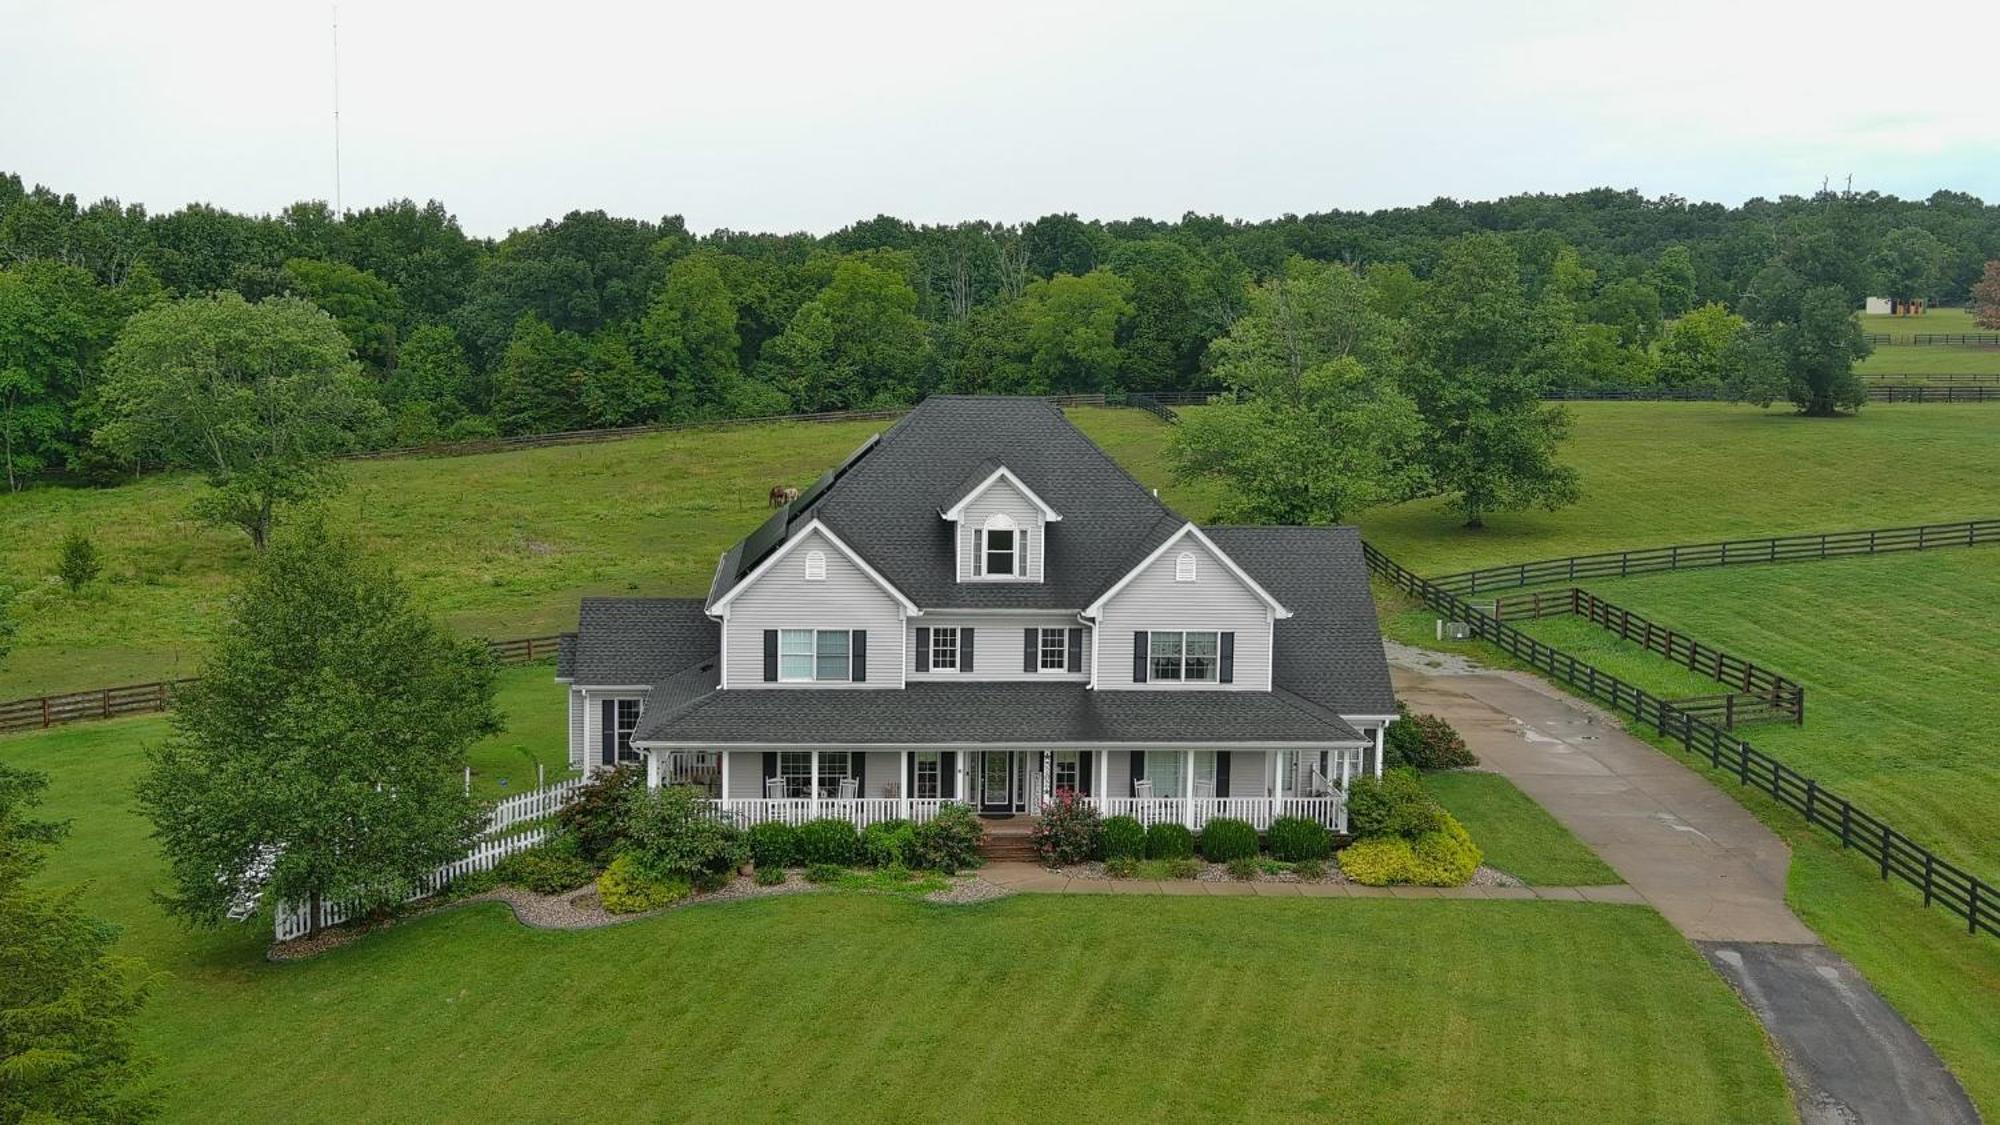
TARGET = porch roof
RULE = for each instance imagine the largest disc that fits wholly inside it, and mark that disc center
(974, 713)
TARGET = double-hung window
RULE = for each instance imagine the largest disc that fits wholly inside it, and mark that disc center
(1054, 650)
(1189, 657)
(930, 782)
(995, 547)
(809, 655)
(1068, 771)
(795, 767)
(944, 649)
(628, 721)
(1167, 771)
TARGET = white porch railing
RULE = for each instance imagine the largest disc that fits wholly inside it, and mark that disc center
(862, 811)
(925, 809)
(1330, 811)
(1146, 810)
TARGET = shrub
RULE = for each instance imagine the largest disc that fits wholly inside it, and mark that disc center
(626, 888)
(1068, 831)
(1311, 870)
(828, 840)
(773, 844)
(1378, 862)
(1424, 742)
(1226, 838)
(471, 883)
(1296, 838)
(824, 872)
(889, 843)
(1169, 841)
(78, 563)
(1244, 868)
(1122, 866)
(1395, 805)
(1124, 838)
(673, 834)
(546, 869)
(1181, 867)
(770, 876)
(949, 842)
(595, 819)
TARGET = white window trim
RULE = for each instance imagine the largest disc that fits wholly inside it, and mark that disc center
(815, 677)
(982, 553)
(1153, 676)
(1042, 651)
(815, 566)
(935, 761)
(956, 651)
(1184, 567)
(621, 734)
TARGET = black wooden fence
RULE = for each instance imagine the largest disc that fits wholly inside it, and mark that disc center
(1757, 692)
(1734, 552)
(44, 711)
(1941, 882)
(1877, 392)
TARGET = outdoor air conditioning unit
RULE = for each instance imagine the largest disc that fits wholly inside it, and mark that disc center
(1453, 630)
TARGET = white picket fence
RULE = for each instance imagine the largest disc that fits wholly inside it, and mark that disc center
(295, 919)
(534, 804)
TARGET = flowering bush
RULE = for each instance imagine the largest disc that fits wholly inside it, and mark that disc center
(1425, 742)
(1069, 831)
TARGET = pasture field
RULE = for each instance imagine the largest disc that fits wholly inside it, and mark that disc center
(1928, 359)
(504, 544)
(1479, 1011)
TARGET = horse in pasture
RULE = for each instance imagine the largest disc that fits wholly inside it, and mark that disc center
(782, 495)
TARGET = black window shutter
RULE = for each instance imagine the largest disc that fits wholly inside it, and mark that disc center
(1139, 657)
(858, 651)
(965, 649)
(1222, 773)
(1076, 648)
(1083, 758)
(909, 775)
(1138, 770)
(923, 648)
(610, 713)
(770, 765)
(1228, 658)
(857, 768)
(1030, 648)
(770, 656)
(947, 786)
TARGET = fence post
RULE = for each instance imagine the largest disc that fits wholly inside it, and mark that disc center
(1812, 796)
(1743, 764)
(1972, 908)
(1845, 811)
(1928, 859)
(45, 712)
(1885, 852)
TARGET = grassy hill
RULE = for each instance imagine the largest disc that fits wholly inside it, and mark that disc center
(504, 544)
(1901, 357)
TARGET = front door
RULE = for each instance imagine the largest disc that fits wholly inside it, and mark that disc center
(996, 781)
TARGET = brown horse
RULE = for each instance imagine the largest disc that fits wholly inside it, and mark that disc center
(782, 495)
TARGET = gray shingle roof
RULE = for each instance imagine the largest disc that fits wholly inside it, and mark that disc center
(960, 712)
(1330, 650)
(566, 656)
(886, 505)
(629, 642)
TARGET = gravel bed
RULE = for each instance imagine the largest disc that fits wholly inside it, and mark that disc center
(1493, 877)
(968, 889)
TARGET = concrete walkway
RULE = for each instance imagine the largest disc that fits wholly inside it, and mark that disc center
(1030, 878)
(1716, 873)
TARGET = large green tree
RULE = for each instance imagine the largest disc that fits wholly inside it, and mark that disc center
(364, 306)
(1319, 427)
(1802, 347)
(1070, 331)
(1703, 348)
(1910, 264)
(258, 397)
(56, 323)
(689, 336)
(537, 388)
(66, 1001)
(319, 754)
(856, 344)
(1484, 359)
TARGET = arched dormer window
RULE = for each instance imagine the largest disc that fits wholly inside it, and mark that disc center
(815, 566)
(996, 547)
(1184, 567)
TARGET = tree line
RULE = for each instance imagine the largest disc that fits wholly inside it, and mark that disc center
(595, 320)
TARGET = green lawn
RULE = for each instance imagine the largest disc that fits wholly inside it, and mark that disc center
(846, 1006)
(1928, 359)
(1517, 836)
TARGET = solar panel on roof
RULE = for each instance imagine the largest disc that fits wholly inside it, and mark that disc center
(812, 492)
(762, 542)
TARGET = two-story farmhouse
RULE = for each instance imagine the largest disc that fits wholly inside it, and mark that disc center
(980, 606)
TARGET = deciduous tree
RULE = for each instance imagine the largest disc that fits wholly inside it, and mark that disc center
(689, 336)
(1802, 347)
(537, 388)
(319, 753)
(1986, 297)
(1702, 348)
(857, 343)
(1910, 264)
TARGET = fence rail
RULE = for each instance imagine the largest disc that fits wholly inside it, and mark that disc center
(1941, 882)
(1927, 391)
(533, 804)
(1914, 379)
(1759, 692)
(43, 711)
(1734, 552)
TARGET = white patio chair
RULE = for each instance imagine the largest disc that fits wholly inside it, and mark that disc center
(774, 788)
(1204, 787)
(849, 789)
(1142, 788)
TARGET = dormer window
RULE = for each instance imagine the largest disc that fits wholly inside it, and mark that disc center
(995, 547)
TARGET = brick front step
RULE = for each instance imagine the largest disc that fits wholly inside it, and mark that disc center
(1014, 848)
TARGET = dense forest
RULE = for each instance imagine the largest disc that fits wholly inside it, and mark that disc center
(595, 320)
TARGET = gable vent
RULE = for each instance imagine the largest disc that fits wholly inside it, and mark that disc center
(1184, 567)
(815, 566)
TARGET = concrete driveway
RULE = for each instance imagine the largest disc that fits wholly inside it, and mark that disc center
(1713, 871)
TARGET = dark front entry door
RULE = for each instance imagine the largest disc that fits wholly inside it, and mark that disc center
(996, 781)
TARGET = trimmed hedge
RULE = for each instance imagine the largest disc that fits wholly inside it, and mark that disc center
(1297, 839)
(888, 843)
(773, 844)
(625, 888)
(1226, 838)
(828, 840)
(1124, 838)
(1169, 841)
(1444, 858)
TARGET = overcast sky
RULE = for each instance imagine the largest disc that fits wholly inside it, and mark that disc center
(809, 116)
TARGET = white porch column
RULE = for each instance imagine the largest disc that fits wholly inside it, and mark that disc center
(812, 793)
(1379, 732)
(652, 769)
(1187, 790)
(903, 786)
(959, 762)
(1277, 784)
(725, 778)
(1102, 780)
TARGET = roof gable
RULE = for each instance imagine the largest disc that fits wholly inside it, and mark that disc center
(804, 534)
(1189, 532)
(1003, 473)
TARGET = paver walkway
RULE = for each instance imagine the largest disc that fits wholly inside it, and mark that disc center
(1032, 879)
(1717, 874)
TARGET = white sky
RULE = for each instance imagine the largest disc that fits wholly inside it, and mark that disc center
(780, 116)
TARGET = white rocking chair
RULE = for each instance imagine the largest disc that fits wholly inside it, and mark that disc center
(1204, 788)
(849, 789)
(1142, 788)
(774, 788)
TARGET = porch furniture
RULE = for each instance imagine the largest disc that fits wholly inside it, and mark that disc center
(849, 789)
(1142, 788)
(774, 788)
(1204, 788)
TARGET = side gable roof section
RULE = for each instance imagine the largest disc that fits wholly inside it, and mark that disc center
(967, 496)
(791, 544)
(1188, 529)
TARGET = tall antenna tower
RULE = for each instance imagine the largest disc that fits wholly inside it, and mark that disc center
(338, 208)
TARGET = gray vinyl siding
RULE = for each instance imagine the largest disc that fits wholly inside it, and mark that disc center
(997, 645)
(746, 775)
(1001, 497)
(781, 598)
(1216, 600)
(591, 702)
